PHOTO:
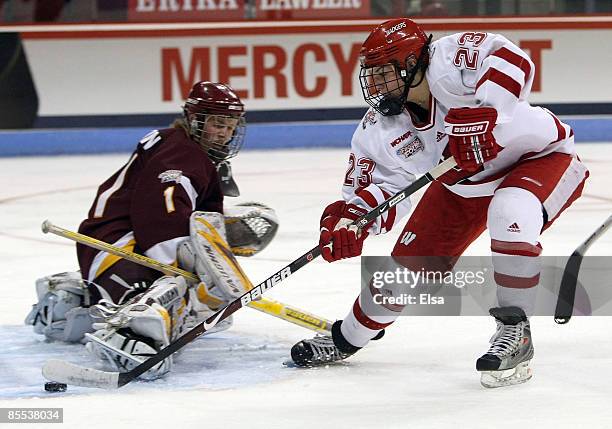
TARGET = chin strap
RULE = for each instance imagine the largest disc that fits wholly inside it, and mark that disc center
(390, 106)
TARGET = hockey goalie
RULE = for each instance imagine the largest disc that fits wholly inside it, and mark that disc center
(166, 203)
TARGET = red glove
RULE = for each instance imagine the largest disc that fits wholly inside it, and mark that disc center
(470, 136)
(338, 240)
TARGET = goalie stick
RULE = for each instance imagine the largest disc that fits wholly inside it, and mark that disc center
(268, 306)
(69, 373)
(567, 290)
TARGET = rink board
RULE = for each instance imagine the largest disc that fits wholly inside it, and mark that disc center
(259, 136)
(283, 70)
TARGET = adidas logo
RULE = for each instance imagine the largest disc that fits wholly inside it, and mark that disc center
(439, 136)
(514, 228)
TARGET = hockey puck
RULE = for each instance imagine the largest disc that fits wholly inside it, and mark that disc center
(53, 386)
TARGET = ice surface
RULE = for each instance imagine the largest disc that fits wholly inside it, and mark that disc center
(421, 375)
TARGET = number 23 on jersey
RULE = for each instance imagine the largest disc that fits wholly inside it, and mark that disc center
(363, 176)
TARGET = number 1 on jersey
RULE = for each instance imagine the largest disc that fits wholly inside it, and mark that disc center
(168, 193)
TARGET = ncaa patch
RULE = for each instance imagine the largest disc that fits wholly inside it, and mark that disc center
(170, 176)
(411, 148)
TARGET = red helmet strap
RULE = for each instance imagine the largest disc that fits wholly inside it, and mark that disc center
(421, 63)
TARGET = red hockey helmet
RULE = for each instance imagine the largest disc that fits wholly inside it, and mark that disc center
(390, 58)
(215, 118)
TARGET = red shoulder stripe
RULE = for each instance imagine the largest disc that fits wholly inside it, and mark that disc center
(501, 79)
(514, 59)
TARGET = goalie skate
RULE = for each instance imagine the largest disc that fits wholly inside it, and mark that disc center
(112, 347)
(506, 362)
(128, 334)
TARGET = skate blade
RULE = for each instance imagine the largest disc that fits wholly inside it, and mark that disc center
(291, 364)
(508, 377)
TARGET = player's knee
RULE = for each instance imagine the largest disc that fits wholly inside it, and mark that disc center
(515, 214)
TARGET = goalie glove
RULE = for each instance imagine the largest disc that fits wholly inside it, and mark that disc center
(250, 227)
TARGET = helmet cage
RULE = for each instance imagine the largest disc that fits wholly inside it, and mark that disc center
(204, 130)
(381, 84)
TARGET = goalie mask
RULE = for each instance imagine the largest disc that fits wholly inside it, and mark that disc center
(215, 119)
(391, 57)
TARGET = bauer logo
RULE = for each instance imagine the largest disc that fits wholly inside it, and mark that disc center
(259, 290)
(355, 211)
(470, 129)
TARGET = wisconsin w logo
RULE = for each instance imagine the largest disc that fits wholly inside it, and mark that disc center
(408, 238)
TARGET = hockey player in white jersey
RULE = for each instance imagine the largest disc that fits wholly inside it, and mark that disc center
(464, 95)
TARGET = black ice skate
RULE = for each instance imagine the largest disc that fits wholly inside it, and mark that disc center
(507, 361)
(323, 349)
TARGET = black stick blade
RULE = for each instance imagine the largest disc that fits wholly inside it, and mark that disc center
(567, 290)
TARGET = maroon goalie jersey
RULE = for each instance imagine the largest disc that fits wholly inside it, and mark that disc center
(145, 206)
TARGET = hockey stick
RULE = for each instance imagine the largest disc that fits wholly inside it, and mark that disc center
(268, 306)
(68, 373)
(567, 290)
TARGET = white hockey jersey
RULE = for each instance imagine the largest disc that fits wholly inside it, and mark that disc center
(465, 70)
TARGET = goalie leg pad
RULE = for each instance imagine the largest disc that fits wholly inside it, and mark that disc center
(124, 350)
(127, 334)
(215, 263)
(60, 313)
(206, 292)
